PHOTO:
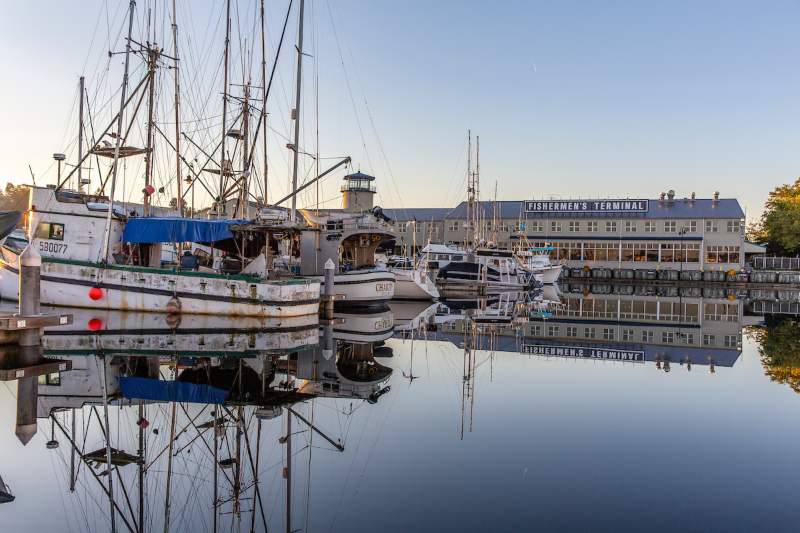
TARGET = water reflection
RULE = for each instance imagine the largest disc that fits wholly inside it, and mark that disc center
(214, 423)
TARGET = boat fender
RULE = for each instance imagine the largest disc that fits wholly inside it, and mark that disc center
(174, 305)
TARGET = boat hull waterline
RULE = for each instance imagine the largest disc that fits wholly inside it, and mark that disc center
(76, 284)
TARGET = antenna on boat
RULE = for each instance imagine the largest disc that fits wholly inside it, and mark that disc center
(296, 111)
(118, 139)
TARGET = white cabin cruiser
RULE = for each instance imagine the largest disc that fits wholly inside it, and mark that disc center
(537, 262)
(67, 228)
(487, 270)
(414, 284)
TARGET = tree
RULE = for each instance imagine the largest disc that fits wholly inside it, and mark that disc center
(14, 198)
(779, 347)
(779, 226)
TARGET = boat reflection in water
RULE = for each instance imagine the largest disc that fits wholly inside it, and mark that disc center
(186, 409)
(210, 423)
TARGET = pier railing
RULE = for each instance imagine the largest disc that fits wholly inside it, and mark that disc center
(776, 263)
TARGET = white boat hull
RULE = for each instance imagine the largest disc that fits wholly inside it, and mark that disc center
(414, 285)
(547, 275)
(71, 284)
(363, 287)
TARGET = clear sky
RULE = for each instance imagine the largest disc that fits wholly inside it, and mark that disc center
(599, 99)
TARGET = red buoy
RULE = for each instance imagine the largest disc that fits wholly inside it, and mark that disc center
(94, 324)
(95, 293)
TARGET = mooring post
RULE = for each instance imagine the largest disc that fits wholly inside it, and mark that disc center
(30, 266)
(30, 270)
(328, 293)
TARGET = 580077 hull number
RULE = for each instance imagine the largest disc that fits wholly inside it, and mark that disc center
(52, 247)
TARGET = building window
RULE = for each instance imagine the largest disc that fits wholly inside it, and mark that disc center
(721, 312)
(680, 253)
(667, 337)
(591, 226)
(611, 226)
(692, 226)
(600, 251)
(647, 337)
(670, 226)
(711, 226)
(536, 330)
(574, 226)
(401, 227)
(689, 338)
(627, 334)
(555, 226)
(709, 340)
(630, 226)
(51, 231)
(731, 341)
(722, 254)
(734, 226)
(453, 225)
(649, 226)
(608, 334)
(572, 331)
(552, 331)
(536, 226)
(589, 333)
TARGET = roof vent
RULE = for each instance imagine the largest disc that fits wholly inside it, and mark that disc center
(661, 199)
(715, 201)
(671, 196)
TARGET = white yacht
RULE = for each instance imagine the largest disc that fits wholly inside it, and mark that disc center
(537, 262)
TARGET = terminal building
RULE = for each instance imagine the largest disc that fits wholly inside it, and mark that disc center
(665, 233)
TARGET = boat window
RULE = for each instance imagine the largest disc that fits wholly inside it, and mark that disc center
(47, 230)
(458, 258)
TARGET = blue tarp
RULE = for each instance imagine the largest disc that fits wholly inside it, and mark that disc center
(170, 391)
(174, 229)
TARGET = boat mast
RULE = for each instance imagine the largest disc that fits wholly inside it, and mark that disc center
(152, 59)
(244, 182)
(289, 459)
(470, 191)
(477, 185)
(264, 101)
(118, 140)
(222, 163)
(178, 181)
(296, 111)
(80, 133)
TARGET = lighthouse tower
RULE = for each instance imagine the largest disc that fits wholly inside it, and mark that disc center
(358, 192)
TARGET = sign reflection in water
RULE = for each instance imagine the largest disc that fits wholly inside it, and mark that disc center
(253, 393)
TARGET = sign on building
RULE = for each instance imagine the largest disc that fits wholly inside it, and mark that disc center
(586, 206)
(583, 352)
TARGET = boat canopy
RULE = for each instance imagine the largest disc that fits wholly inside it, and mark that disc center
(147, 230)
(170, 391)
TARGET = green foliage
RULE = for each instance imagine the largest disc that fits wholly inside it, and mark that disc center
(14, 198)
(779, 347)
(780, 223)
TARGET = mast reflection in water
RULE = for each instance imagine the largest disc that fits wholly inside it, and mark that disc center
(467, 415)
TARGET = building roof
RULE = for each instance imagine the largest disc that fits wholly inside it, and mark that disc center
(359, 176)
(419, 213)
(515, 209)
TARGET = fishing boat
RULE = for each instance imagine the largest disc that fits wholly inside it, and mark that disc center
(67, 229)
(349, 238)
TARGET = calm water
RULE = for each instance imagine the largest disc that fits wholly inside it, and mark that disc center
(678, 429)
